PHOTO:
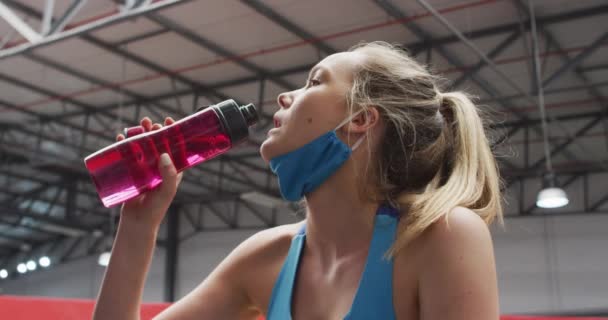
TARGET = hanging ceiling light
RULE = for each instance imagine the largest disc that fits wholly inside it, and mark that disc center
(44, 262)
(104, 259)
(31, 265)
(22, 268)
(550, 196)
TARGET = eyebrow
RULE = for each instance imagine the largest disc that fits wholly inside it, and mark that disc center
(314, 69)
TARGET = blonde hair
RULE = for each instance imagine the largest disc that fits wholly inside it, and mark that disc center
(434, 155)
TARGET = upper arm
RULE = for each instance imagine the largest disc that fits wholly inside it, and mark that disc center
(458, 276)
(224, 293)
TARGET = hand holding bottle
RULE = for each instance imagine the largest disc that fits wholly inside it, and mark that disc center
(148, 209)
(130, 167)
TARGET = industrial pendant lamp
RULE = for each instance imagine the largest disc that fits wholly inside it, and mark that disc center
(104, 258)
(550, 196)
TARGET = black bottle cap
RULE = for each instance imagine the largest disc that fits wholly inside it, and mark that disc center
(250, 114)
(236, 119)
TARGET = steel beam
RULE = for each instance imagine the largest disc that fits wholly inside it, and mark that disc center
(502, 46)
(598, 203)
(231, 223)
(151, 65)
(423, 45)
(97, 81)
(49, 8)
(491, 64)
(217, 49)
(509, 27)
(86, 28)
(50, 222)
(18, 24)
(568, 141)
(275, 17)
(200, 87)
(268, 222)
(37, 179)
(46, 92)
(600, 41)
(551, 41)
(66, 254)
(198, 182)
(39, 90)
(596, 67)
(67, 16)
(559, 90)
(241, 81)
(140, 37)
(395, 12)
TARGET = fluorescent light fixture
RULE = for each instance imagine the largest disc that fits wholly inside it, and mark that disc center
(261, 199)
(104, 259)
(44, 262)
(31, 265)
(3, 274)
(22, 268)
(552, 198)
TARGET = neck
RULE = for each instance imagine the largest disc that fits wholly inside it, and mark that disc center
(339, 223)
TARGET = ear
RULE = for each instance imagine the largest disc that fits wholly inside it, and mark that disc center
(364, 121)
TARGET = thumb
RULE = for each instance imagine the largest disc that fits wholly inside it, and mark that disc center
(169, 175)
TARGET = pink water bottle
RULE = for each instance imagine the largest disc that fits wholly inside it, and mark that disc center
(129, 167)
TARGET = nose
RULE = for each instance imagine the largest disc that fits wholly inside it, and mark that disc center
(284, 100)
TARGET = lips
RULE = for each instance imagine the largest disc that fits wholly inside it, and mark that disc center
(277, 122)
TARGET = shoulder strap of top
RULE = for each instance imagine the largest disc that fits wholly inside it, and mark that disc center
(280, 301)
(374, 297)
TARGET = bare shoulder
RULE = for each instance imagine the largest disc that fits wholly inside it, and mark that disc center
(269, 243)
(257, 262)
(460, 226)
(241, 285)
(459, 229)
(456, 270)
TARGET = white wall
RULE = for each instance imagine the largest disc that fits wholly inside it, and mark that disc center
(544, 264)
(553, 264)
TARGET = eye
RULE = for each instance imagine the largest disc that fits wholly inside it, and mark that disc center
(313, 82)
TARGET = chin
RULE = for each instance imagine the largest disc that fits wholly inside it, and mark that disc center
(270, 148)
(264, 151)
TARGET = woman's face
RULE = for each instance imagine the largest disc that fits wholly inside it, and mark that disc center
(313, 110)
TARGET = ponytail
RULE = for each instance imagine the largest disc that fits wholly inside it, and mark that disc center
(468, 176)
(434, 155)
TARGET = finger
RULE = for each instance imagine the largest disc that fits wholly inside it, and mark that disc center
(156, 126)
(169, 175)
(146, 123)
(179, 179)
(169, 121)
(120, 137)
(133, 131)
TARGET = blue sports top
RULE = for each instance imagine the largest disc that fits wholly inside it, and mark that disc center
(374, 297)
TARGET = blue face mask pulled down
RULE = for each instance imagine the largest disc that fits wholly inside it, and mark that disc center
(303, 170)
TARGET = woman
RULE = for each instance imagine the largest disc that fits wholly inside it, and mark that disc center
(399, 184)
